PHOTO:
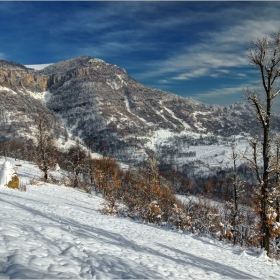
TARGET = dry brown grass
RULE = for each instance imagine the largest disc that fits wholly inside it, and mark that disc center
(14, 183)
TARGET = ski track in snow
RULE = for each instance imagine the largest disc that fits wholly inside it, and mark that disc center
(52, 231)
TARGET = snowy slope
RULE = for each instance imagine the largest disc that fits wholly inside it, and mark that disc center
(52, 231)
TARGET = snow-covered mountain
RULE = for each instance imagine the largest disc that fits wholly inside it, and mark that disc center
(22, 96)
(102, 105)
(57, 232)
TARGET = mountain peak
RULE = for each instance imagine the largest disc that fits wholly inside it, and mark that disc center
(66, 65)
(11, 65)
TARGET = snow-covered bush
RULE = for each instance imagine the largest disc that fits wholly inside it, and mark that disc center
(153, 213)
(8, 176)
(179, 219)
(205, 217)
(113, 208)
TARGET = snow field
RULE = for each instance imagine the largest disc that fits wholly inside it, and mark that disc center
(38, 66)
(53, 231)
(211, 156)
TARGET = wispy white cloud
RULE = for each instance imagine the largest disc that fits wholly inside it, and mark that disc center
(2, 56)
(222, 96)
(223, 71)
(222, 93)
(222, 50)
(193, 74)
(164, 81)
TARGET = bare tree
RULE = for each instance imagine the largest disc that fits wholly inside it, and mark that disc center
(264, 54)
(238, 187)
(75, 161)
(277, 176)
(45, 148)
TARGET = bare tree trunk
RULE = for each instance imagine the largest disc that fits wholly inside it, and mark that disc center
(44, 159)
(235, 198)
(277, 180)
(265, 56)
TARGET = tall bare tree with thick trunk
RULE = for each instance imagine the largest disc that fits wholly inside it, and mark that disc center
(264, 54)
(45, 148)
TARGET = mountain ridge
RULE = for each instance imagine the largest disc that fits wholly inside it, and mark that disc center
(102, 105)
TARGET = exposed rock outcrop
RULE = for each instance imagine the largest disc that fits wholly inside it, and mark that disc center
(15, 75)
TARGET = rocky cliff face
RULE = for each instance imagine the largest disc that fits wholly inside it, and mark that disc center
(102, 104)
(22, 92)
(15, 75)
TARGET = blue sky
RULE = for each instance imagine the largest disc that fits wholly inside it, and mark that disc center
(194, 49)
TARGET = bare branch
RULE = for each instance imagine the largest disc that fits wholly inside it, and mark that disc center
(253, 96)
